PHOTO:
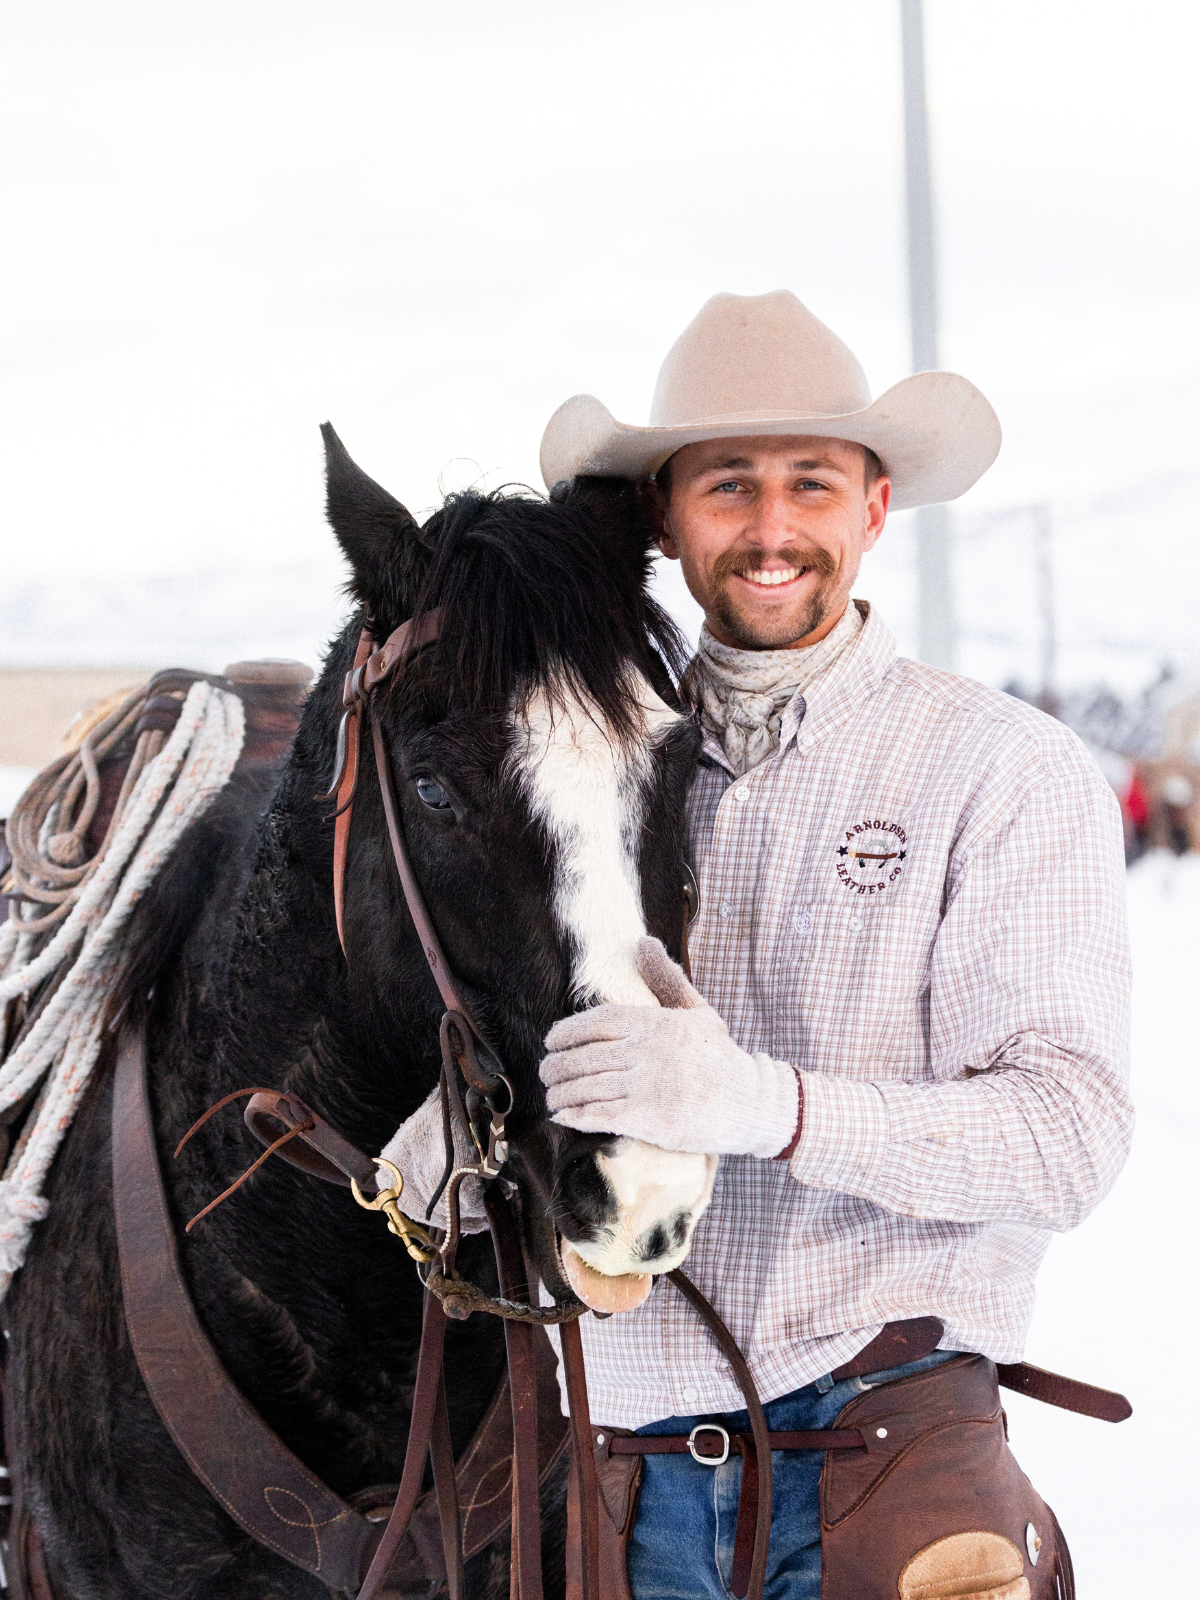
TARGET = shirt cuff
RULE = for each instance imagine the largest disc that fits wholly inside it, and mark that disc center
(844, 1135)
(789, 1148)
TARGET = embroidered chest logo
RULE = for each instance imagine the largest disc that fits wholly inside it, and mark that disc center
(870, 857)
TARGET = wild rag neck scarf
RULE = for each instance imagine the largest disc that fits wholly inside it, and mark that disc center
(744, 693)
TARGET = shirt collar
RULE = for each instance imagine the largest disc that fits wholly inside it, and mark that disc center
(856, 673)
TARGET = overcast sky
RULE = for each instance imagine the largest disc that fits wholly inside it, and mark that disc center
(226, 222)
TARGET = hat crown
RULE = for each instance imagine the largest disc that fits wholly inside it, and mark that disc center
(757, 355)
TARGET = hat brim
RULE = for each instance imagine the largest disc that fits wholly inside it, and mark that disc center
(935, 433)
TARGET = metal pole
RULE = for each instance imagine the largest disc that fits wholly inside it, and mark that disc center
(1043, 555)
(935, 598)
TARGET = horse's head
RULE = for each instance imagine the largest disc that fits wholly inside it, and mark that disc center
(541, 760)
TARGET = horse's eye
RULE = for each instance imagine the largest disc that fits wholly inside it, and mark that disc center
(432, 794)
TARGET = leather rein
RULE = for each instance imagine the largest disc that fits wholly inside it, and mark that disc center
(449, 1294)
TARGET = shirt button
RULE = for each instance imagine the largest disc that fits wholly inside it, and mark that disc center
(725, 911)
(856, 923)
(802, 920)
(742, 792)
(689, 1391)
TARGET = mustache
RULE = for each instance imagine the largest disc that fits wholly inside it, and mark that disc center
(736, 563)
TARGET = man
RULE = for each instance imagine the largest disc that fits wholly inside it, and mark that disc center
(913, 933)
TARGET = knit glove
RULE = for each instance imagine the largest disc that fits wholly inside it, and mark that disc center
(419, 1150)
(671, 1077)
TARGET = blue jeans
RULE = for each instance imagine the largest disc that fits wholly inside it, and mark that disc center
(682, 1543)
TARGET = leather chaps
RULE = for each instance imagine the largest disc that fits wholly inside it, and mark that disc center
(933, 1504)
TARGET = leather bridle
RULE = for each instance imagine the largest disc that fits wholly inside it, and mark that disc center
(451, 1296)
(459, 1037)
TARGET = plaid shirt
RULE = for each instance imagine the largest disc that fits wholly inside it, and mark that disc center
(918, 901)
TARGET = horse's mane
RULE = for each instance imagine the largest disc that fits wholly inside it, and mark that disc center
(537, 595)
(547, 595)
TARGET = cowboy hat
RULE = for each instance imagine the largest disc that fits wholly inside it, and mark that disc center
(763, 364)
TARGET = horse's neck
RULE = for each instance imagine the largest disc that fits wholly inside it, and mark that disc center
(260, 997)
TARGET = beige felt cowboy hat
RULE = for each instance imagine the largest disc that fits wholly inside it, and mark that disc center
(763, 364)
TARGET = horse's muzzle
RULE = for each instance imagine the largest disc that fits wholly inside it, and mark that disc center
(627, 1210)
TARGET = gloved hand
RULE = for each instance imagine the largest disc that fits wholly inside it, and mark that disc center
(419, 1150)
(671, 1077)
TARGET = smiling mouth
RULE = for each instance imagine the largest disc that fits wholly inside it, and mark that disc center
(763, 578)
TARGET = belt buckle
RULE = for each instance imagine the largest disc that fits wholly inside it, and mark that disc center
(708, 1461)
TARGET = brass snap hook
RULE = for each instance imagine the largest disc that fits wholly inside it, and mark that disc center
(417, 1242)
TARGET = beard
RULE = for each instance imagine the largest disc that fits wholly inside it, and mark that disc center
(787, 622)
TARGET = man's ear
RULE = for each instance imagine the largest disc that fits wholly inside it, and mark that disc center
(878, 500)
(659, 515)
(379, 536)
(656, 508)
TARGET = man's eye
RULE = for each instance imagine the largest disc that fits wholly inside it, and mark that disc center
(810, 483)
(731, 484)
(431, 794)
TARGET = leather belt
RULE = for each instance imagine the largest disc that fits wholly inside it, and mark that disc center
(711, 1445)
(712, 1455)
(896, 1344)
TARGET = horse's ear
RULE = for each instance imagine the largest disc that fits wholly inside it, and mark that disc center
(372, 527)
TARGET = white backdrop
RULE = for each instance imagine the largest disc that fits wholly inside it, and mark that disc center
(226, 222)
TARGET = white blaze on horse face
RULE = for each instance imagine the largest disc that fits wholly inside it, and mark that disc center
(590, 792)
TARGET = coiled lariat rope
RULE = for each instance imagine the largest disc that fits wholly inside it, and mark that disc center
(61, 947)
(50, 869)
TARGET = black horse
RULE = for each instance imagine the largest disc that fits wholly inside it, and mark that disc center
(542, 763)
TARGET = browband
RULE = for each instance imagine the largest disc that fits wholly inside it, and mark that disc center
(371, 669)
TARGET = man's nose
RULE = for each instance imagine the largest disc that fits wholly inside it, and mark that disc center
(770, 526)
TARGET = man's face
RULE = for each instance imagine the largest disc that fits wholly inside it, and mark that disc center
(770, 533)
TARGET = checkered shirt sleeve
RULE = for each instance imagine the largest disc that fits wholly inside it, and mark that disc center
(1027, 1115)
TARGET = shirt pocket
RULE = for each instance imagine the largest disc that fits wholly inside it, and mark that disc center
(848, 986)
(839, 938)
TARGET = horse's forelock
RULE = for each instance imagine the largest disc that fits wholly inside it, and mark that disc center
(546, 599)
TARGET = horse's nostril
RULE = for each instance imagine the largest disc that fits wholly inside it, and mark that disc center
(585, 1206)
(653, 1243)
(679, 1228)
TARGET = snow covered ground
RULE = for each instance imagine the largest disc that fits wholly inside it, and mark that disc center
(1119, 1299)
